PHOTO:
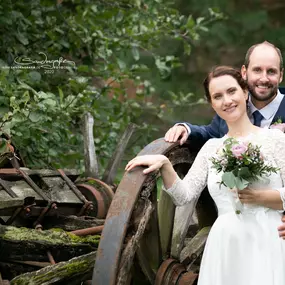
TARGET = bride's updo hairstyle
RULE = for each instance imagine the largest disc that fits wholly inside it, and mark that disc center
(220, 71)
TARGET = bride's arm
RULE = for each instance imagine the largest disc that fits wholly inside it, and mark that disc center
(181, 191)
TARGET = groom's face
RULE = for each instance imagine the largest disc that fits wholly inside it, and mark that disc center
(263, 75)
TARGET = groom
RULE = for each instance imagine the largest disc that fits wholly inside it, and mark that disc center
(263, 71)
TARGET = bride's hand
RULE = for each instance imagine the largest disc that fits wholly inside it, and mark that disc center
(269, 198)
(154, 162)
(250, 196)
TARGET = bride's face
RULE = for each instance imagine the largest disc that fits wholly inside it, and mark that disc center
(228, 99)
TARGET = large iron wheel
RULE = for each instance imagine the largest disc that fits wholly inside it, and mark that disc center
(137, 241)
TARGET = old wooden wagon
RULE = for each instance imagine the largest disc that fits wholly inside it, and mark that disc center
(145, 238)
(45, 216)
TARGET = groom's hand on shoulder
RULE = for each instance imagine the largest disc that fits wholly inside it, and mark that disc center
(281, 228)
(176, 132)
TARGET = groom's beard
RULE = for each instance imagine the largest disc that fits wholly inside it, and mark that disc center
(263, 97)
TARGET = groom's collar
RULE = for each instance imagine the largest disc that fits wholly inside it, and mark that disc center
(269, 110)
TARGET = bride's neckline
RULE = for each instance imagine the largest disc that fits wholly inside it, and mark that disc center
(246, 136)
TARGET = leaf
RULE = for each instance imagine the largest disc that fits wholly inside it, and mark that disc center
(35, 76)
(3, 146)
(229, 179)
(22, 39)
(190, 22)
(164, 70)
(121, 64)
(50, 102)
(35, 117)
(187, 48)
(83, 68)
(136, 54)
(94, 8)
(120, 16)
(138, 3)
(61, 96)
(200, 20)
(241, 183)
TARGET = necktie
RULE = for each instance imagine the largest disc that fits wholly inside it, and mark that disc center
(257, 118)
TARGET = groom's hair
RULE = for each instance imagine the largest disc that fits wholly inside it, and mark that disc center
(221, 71)
(250, 50)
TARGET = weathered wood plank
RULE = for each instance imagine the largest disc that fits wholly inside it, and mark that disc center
(30, 244)
(130, 249)
(71, 272)
(90, 158)
(6, 172)
(149, 252)
(72, 223)
(194, 247)
(166, 211)
(12, 203)
(182, 220)
(114, 162)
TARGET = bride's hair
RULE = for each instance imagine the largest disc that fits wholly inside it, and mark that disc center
(220, 71)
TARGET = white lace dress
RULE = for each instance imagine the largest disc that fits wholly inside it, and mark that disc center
(242, 249)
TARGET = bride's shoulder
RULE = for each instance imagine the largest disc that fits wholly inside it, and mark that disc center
(275, 134)
(213, 143)
(273, 137)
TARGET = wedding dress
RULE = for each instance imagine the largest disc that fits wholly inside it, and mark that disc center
(241, 249)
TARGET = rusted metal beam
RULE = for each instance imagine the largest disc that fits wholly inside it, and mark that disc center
(89, 231)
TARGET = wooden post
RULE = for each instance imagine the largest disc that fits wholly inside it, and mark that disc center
(166, 211)
(182, 220)
(113, 165)
(91, 163)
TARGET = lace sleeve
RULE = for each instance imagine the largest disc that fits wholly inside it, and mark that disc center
(184, 191)
(279, 156)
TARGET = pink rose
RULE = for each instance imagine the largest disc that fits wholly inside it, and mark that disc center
(239, 149)
(280, 126)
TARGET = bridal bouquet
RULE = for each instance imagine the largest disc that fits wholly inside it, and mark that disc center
(241, 163)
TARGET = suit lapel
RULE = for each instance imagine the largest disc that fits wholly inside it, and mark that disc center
(280, 114)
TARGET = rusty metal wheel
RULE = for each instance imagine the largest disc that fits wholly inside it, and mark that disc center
(137, 232)
(97, 192)
(169, 272)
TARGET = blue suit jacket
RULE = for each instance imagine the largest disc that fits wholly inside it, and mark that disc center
(218, 127)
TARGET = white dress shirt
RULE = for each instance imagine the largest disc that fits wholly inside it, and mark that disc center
(268, 112)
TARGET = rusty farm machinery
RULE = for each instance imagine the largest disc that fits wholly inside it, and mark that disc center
(59, 228)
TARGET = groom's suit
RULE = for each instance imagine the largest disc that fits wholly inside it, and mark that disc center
(218, 127)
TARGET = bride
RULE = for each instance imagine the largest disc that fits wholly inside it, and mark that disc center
(242, 249)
